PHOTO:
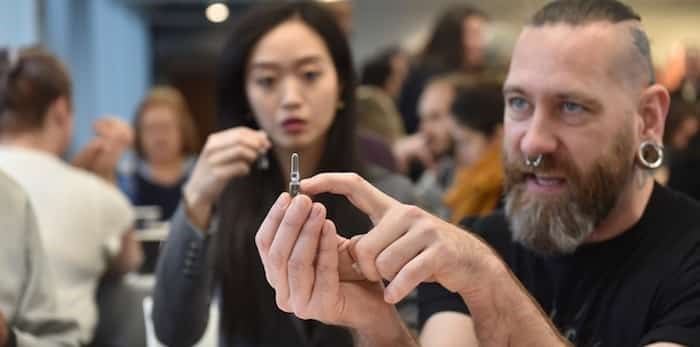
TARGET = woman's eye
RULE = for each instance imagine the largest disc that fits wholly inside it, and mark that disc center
(311, 75)
(265, 82)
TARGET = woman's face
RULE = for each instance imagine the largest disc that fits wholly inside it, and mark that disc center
(473, 41)
(160, 134)
(292, 86)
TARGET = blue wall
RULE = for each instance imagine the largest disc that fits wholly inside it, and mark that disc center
(107, 47)
(18, 22)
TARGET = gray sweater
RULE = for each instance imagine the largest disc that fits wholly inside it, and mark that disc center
(27, 294)
(185, 284)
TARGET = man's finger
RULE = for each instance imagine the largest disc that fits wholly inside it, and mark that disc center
(347, 265)
(283, 243)
(410, 276)
(268, 228)
(301, 261)
(327, 282)
(361, 193)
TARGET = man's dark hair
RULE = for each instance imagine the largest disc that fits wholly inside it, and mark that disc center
(378, 69)
(582, 12)
(479, 107)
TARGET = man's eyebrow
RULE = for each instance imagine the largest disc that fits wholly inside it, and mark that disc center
(578, 96)
(513, 89)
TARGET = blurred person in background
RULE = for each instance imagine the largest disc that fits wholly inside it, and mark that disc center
(681, 74)
(165, 142)
(381, 79)
(286, 85)
(86, 224)
(342, 11)
(683, 147)
(477, 186)
(459, 26)
(429, 151)
(29, 316)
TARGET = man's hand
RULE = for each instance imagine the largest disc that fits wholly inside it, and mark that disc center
(410, 148)
(300, 251)
(407, 245)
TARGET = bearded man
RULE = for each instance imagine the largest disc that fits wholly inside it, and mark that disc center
(589, 250)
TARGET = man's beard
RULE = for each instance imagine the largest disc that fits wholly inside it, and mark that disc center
(559, 223)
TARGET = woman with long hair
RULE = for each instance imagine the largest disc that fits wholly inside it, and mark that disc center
(286, 86)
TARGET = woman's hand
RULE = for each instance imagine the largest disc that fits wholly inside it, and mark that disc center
(226, 155)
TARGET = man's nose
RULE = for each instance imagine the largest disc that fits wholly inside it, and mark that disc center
(539, 137)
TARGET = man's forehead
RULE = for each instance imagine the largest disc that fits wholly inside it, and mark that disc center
(579, 54)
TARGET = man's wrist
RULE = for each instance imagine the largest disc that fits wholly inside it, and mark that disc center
(386, 329)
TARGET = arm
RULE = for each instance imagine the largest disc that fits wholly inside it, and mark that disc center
(130, 255)
(449, 329)
(184, 284)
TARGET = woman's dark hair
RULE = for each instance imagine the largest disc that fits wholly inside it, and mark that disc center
(444, 48)
(479, 107)
(30, 81)
(378, 69)
(246, 296)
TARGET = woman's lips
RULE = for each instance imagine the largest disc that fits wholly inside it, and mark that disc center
(294, 126)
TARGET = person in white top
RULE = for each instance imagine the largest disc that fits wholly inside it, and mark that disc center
(86, 224)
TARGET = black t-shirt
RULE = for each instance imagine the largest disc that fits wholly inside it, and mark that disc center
(639, 288)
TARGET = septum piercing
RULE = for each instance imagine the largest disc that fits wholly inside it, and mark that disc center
(533, 163)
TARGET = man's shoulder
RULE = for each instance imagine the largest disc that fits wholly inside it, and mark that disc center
(678, 212)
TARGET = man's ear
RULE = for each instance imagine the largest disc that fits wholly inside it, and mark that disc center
(59, 112)
(653, 109)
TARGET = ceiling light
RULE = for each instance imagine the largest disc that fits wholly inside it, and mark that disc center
(217, 12)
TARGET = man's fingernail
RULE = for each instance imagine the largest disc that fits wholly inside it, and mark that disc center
(316, 211)
(283, 200)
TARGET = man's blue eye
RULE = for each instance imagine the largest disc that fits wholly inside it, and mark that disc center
(517, 104)
(572, 107)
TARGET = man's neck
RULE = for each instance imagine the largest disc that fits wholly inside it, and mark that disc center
(37, 141)
(628, 210)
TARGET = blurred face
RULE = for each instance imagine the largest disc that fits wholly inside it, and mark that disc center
(292, 86)
(565, 101)
(160, 134)
(399, 70)
(686, 131)
(473, 41)
(434, 112)
(469, 145)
